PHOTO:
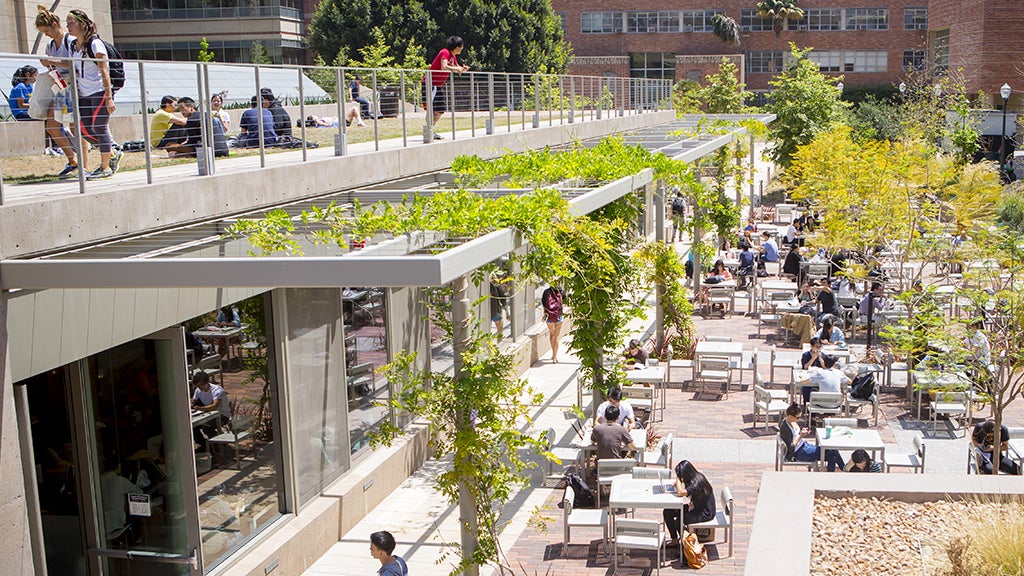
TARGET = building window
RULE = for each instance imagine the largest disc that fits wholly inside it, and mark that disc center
(819, 19)
(562, 20)
(867, 18)
(601, 22)
(698, 20)
(647, 22)
(915, 18)
(769, 61)
(940, 52)
(652, 65)
(693, 75)
(751, 22)
(913, 60)
(865, 61)
(828, 61)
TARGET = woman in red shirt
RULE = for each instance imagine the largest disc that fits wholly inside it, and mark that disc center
(444, 63)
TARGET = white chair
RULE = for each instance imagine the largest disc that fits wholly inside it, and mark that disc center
(572, 518)
(723, 517)
(780, 458)
(835, 422)
(858, 402)
(781, 361)
(661, 456)
(765, 404)
(639, 395)
(949, 404)
(609, 469)
(718, 338)
(212, 366)
(239, 429)
(824, 403)
(563, 453)
(713, 370)
(742, 365)
(680, 366)
(775, 394)
(914, 460)
(816, 270)
(724, 295)
(652, 474)
(639, 535)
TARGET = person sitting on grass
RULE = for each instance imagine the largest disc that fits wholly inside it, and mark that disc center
(862, 462)
(184, 140)
(163, 120)
(250, 126)
(798, 449)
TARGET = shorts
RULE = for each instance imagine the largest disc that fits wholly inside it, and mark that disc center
(440, 101)
(552, 319)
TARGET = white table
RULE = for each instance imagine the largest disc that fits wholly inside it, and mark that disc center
(1016, 450)
(778, 286)
(649, 494)
(655, 375)
(844, 438)
(836, 352)
(924, 381)
(200, 417)
(587, 446)
(225, 333)
(731, 350)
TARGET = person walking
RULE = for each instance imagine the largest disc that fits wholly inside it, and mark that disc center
(382, 548)
(443, 65)
(551, 300)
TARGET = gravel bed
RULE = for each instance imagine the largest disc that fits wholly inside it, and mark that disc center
(857, 536)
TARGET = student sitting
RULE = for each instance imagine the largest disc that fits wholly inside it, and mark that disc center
(164, 118)
(249, 124)
(190, 136)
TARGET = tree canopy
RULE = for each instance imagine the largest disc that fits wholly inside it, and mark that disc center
(510, 36)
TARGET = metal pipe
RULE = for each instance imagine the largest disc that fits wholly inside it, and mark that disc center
(343, 119)
(428, 105)
(202, 162)
(508, 101)
(572, 99)
(209, 146)
(259, 120)
(401, 103)
(490, 102)
(375, 113)
(451, 101)
(561, 100)
(145, 125)
(76, 114)
(472, 104)
(339, 146)
(302, 114)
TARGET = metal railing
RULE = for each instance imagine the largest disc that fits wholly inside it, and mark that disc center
(488, 102)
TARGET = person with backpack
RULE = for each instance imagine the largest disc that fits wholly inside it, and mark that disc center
(49, 106)
(678, 214)
(95, 91)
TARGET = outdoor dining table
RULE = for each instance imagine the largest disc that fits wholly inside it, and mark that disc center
(731, 350)
(768, 286)
(651, 374)
(841, 354)
(844, 438)
(226, 334)
(648, 494)
(200, 417)
(925, 381)
(1016, 450)
(583, 442)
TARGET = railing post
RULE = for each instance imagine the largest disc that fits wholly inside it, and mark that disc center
(401, 103)
(76, 114)
(302, 113)
(522, 98)
(472, 105)
(340, 146)
(375, 113)
(508, 101)
(145, 124)
(490, 103)
(572, 99)
(428, 104)
(259, 120)
(561, 100)
(623, 95)
(2, 184)
(202, 160)
(536, 101)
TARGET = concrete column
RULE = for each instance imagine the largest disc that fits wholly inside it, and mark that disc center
(15, 546)
(461, 331)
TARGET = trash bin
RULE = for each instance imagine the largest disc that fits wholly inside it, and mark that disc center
(387, 101)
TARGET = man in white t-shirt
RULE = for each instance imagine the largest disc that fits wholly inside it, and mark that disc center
(625, 418)
(209, 397)
(828, 379)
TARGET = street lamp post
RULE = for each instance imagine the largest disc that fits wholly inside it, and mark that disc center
(1004, 91)
(903, 88)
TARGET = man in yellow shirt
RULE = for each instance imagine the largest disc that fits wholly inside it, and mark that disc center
(163, 119)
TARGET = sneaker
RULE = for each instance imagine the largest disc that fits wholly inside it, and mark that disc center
(438, 137)
(69, 171)
(48, 152)
(360, 123)
(57, 152)
(99, 173)
(115, 160)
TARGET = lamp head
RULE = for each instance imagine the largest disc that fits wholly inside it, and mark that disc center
(841, 86)
(903, 87)
(1005, 92)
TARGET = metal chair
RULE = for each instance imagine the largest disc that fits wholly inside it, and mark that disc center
(858, 402)
(662, 456)
(646, 396)
(848, 422)
(608, 469)
(639, 535)
(715, 370)
(780, 458)
(724, 295)
(914, 460)
(563, 453)
(775, 394)
(765, 404)
(652, 474)
(950, 404)
(239, 429)
(824, 403)
(817, 270)
(723, 517)
(572, 518)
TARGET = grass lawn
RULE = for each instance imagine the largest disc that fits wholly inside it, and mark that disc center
(41, 168)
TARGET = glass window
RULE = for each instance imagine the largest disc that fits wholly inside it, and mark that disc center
(867, 18)
(562, 20)
(652, 65)
(828, 61)
(363, 310)
(769, 61)
(601, 22)
(913, 60)
(865, 61)
(751, 22)
(940, 52)
(650, 21)
(820, 19)
(915, 18)
(698, 20)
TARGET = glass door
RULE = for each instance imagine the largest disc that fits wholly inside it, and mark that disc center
(137, 440)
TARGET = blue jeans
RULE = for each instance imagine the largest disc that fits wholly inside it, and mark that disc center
(807, 452)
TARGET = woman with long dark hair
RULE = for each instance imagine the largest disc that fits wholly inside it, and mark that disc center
(689, 482)
(95, 92)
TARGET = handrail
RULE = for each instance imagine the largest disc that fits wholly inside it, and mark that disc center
(394, 92)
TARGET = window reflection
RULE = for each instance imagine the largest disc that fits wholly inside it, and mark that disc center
(364, 313)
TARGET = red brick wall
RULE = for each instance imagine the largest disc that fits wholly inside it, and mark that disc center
(895, 40)
(986, 39)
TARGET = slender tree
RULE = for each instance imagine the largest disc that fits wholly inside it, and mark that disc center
(725, 29)
(779, 11)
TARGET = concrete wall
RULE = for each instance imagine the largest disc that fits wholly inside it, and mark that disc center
(15, 547)
(57, 222)
(17, 22)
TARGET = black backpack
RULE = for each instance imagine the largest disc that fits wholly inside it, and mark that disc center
(115, 66)
(584, 495)
(678, 206)
(863, 386)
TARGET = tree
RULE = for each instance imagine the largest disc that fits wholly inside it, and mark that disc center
(258, 54)
(806, 103)
(725, 29)
(722, 93)
(779, 11)
(205, 54)
(511, 36)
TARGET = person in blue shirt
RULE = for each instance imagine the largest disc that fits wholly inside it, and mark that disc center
(228, 316)
(382, 548)
(21, 92)
(769, 249)
(249, 124)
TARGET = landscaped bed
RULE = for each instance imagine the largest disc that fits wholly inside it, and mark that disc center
(857, 536)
